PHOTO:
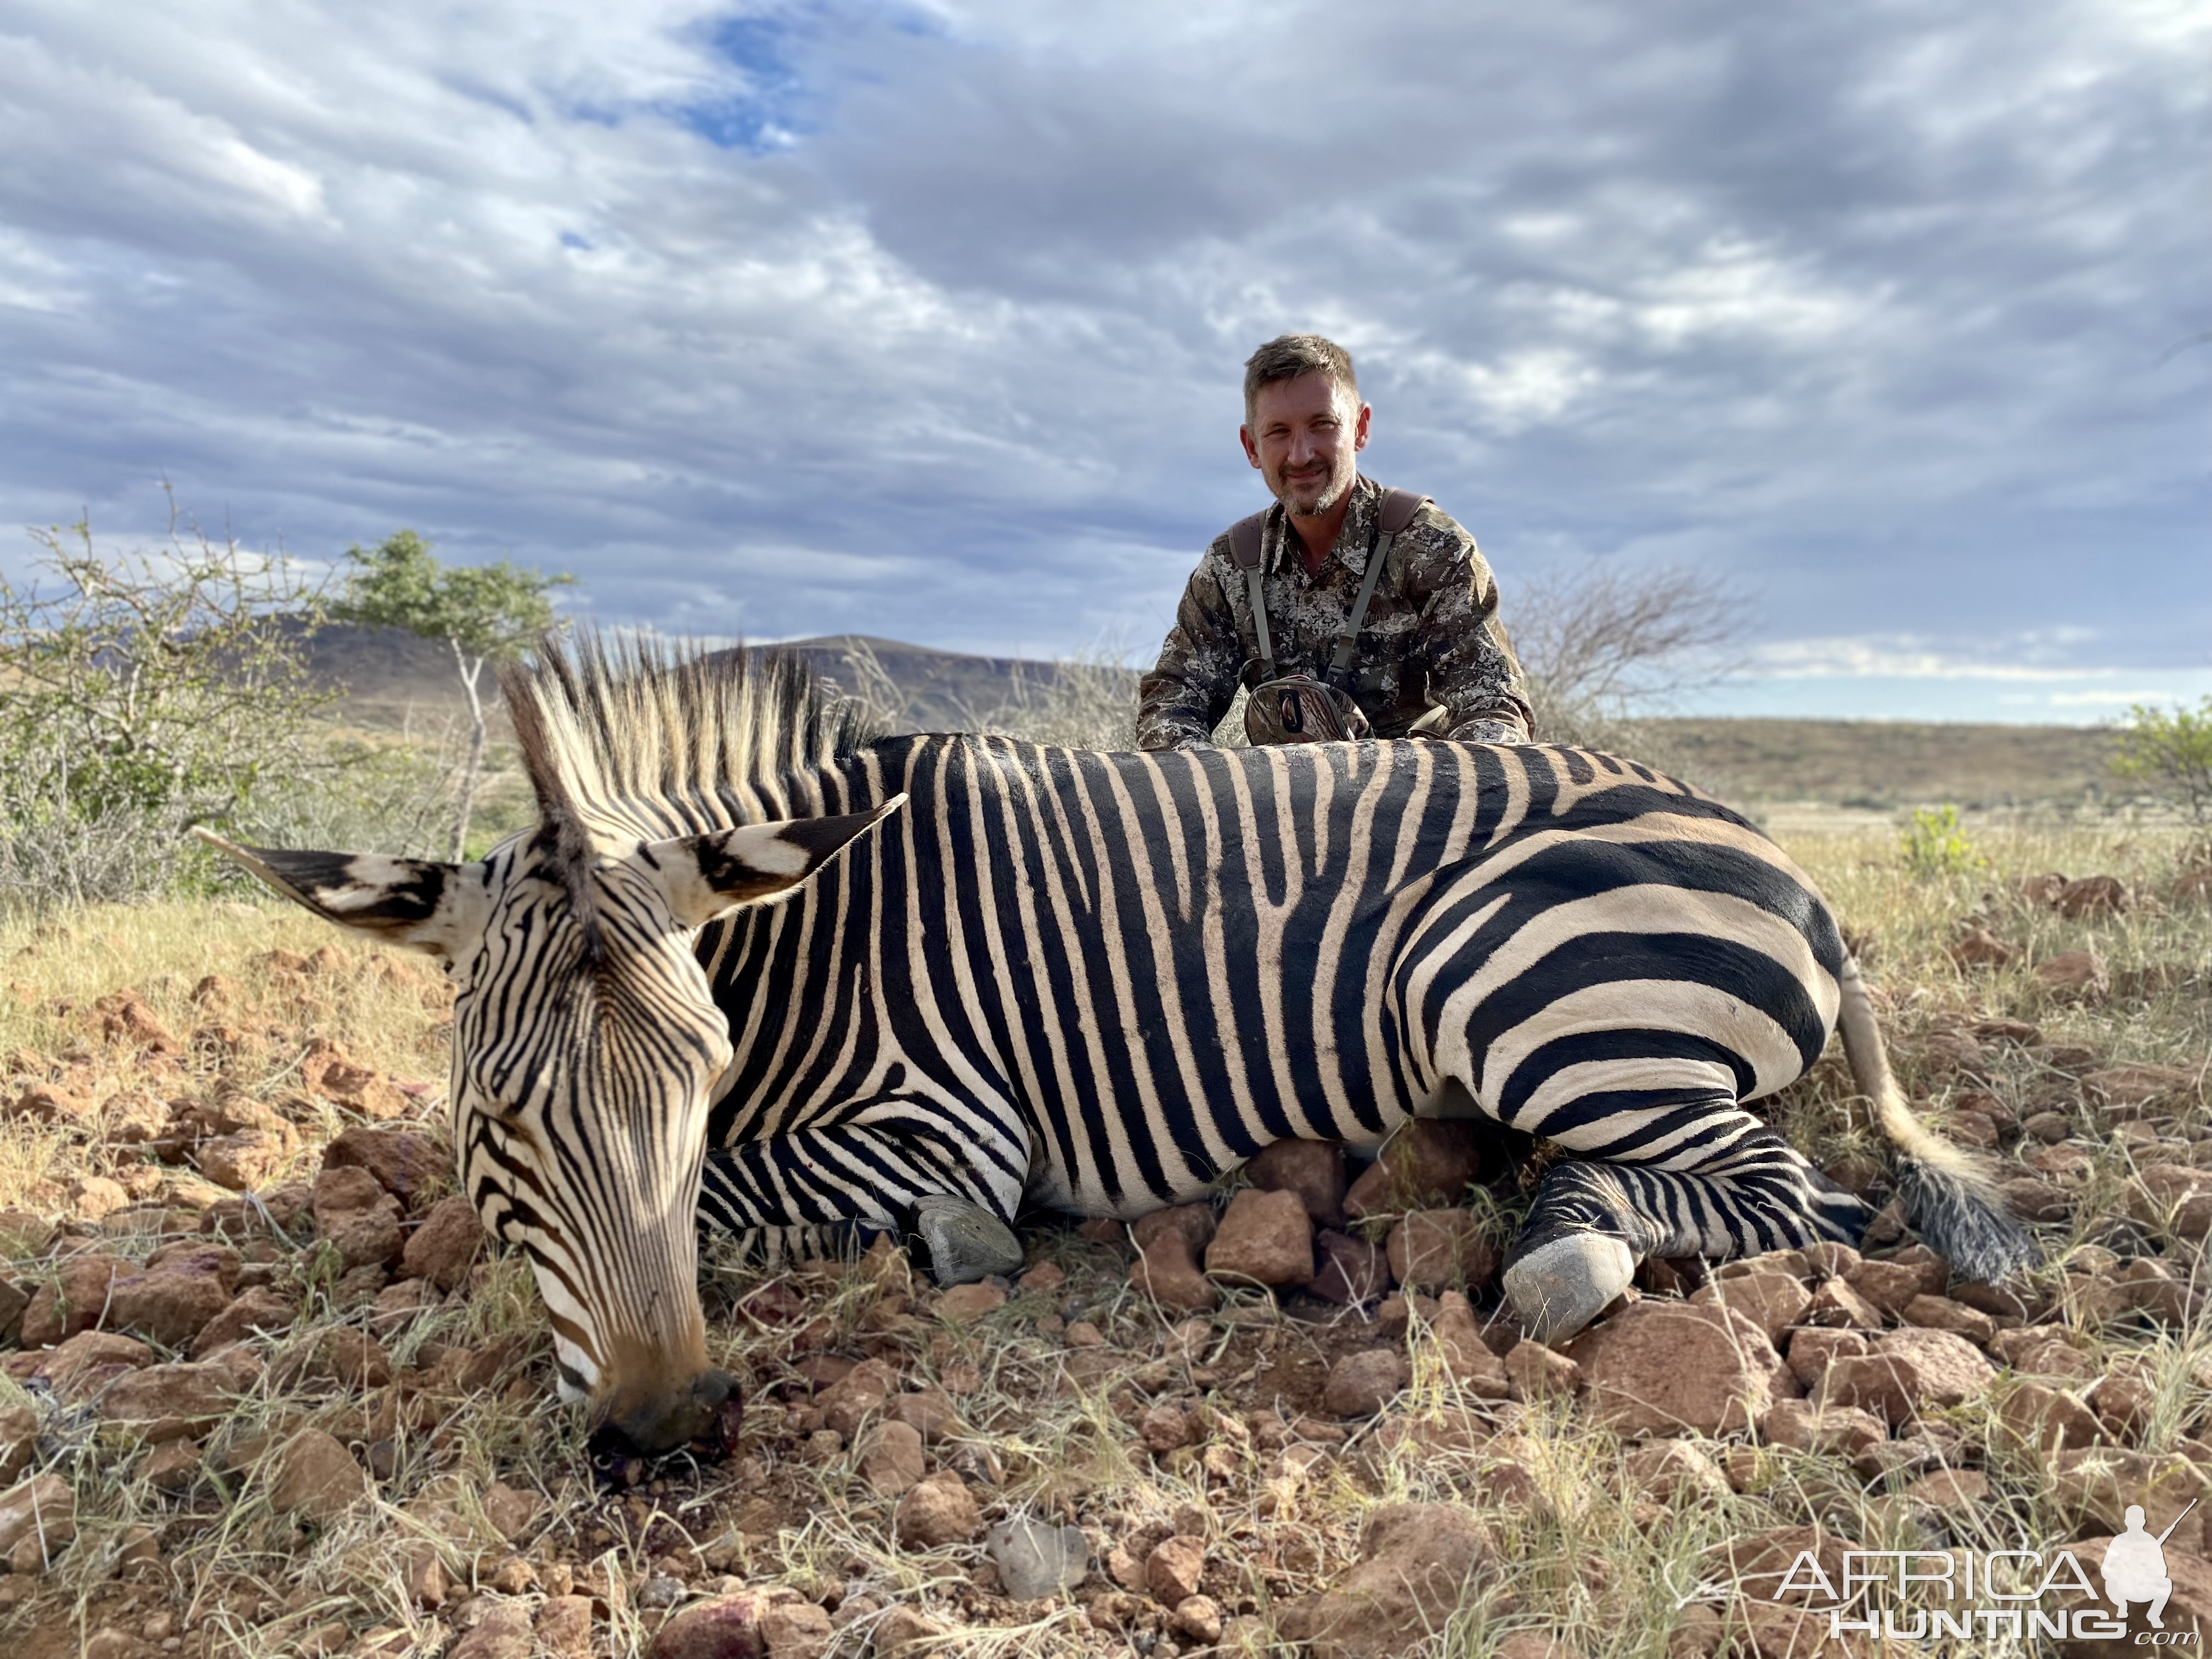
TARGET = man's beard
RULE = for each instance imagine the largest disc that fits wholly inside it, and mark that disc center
(1331, 492)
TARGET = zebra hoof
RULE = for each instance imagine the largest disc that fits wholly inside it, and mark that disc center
(1559, 1287)
(965, 1241)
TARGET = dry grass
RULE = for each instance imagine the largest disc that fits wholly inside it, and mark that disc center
(1277, 1491)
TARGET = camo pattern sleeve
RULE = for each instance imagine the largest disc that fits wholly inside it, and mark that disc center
(1190, 688)
(1471, 669)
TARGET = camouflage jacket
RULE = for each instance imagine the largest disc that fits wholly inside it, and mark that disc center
(1431, 635)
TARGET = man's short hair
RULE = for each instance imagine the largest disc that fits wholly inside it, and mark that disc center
(1287, 356)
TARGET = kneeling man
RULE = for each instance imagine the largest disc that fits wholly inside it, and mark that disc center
(1425, 656)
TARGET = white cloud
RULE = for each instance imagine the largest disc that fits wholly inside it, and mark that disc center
(840, 316)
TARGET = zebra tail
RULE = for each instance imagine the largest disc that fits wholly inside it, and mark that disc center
(1950, 1198)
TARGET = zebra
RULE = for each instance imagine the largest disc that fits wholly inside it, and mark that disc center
(761, 965)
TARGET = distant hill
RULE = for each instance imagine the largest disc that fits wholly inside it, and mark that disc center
(389, 676)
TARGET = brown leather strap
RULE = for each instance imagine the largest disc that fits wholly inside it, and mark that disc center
(1397, 510)
(1244, 538)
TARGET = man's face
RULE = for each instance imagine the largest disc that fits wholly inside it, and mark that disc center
(1305, 436)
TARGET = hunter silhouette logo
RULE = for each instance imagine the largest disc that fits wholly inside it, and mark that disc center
(2135, 1567)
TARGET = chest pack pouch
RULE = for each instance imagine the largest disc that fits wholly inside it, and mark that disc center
(1297, 708)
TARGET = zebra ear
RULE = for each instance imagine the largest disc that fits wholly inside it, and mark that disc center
(704, 877)
(434, 908)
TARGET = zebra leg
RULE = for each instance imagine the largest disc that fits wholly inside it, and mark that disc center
(1738, 1189)
(870, 1176)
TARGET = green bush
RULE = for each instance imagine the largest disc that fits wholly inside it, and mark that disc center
(2170, 751)
(1935, 845)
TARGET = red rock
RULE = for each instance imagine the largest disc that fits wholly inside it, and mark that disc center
(1166, 1428)
(1800, 1425)
(73, 1302)
(1533, 1371)
(1312, 1169)
(2175, 1196)
(1466, 1359)
(1173, 1568)
(1429, 1164)
(1674, 1471)
(40, 1513)
(1192, 1222)
(1197, 1619)
(2094, 895)
(176, 1401)
(1362, 1384)
(892, 1460)
(929, 1413)
(315, 1477)
(242, 1161)
(1836, 1304)
(2128, 1091)
(1659, 1368)
(2047, 1419)
(510, 1510)
(963, 1305)
(1771, 1301)
(501, 1630)
(2075, 976)
(1266, 1237)
(254, 1310)
(19, 1441)
(357, 1217)
(1442, 1249)
(1949, 1369)
(127, 1019)
(1416, 1562)
(90, 1361)
(1940, 1313)
(42, 1103)
(170, 1307)
(1349, 1270)
(1886, 1285)
(940, 1511)
(1885, 1385)
(859, 1397)
(1166, 1269)
(447, 1244)
(405, 1162)
(1978, 947)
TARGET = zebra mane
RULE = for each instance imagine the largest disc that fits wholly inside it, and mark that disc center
(611, 728)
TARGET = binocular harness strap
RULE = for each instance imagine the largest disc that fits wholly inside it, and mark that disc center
(1395, 512)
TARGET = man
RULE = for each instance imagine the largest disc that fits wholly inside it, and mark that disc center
(2135, 1567)
(1430, 657)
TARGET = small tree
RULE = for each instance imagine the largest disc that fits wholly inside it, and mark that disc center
(141, 693)
(2171, 751)
(483, 612)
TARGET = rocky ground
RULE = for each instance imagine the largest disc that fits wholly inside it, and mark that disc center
(265, 1392)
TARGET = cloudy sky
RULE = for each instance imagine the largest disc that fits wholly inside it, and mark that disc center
(926, 319)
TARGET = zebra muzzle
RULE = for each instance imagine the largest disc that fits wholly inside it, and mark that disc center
(705, 1421)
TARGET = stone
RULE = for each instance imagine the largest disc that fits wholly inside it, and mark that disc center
(501, 1630)
(929, 1413)
(1349, 1271)
(1949, 1369)
(902, 1631)
(856, 1397)
(39, 1513)
(2174, 1195)
(1166, 1269)
(1674, 1472)
(1978, 947)
(1429, 1164)
(1964, 1491)
(1800, 1425)
(89, 1361)
(1885, 1385)
(1192, 1223)
(892, 1460)
(244, 1161)
(1313, 1171)
(74, 1301)
(1836, 1304)
(1886, 1285)
(1174, 1568)
(173, 1466)
(1772, 1302)
(1362, 1384)
(1266, 1237)
(315, 1478)
(446, 1245)
(337, 1354)
(1035, 1559)
(2095, 1485)
(2129, 1091)
(174, 1401)
(1940, 1313)
(356, 1217)
(1466, 1358)
(563, 1626)
(510, 1510)
(796, 1630)
(1166, 1427)
(1533, 1371)
(940, 1511)
(2094, 895)
(1418, 1562)
(2047, 1419)
(2073, 977)
(1197, 1619)
(721, 1627)
(405, 1162)
(2040, 890)
(1442, 1249)
(170, 1307)
(19, 1441)
(1661, 1368)
(963, 1305)
(252, 1311)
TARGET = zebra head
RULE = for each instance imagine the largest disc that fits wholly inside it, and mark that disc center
(586, 1050)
